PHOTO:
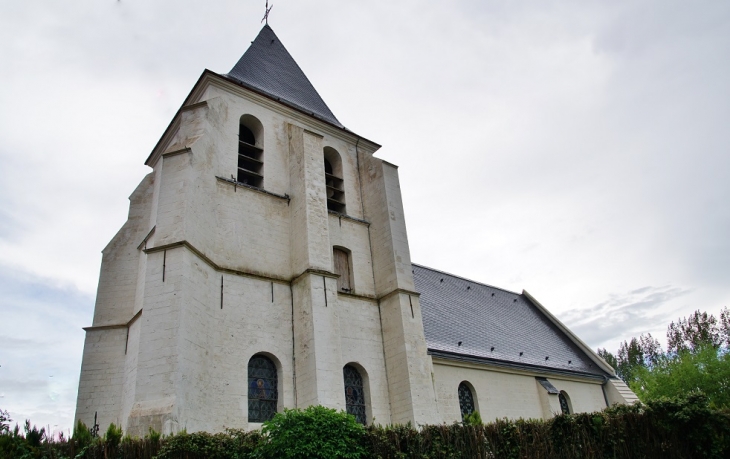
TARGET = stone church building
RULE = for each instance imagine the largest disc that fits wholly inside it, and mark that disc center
(265, 265)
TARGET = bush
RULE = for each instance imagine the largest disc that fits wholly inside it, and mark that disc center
(113, 436)
(233, 444)
(473, 419)
(315, 432)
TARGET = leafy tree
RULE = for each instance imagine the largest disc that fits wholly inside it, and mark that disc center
(608, 357)
(643, 352)
(33, 435)
(4, 422)
(706, 370)
(697, 359)
(315, 432)
(694, 332)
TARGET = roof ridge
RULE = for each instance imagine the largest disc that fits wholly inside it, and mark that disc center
(466, 279)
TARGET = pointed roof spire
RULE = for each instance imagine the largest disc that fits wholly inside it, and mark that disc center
(269, 68)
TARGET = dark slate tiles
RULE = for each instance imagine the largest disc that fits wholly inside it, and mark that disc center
(483, 317)
(269, 68)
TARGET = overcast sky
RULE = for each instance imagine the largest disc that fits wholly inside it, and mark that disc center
(574, 149)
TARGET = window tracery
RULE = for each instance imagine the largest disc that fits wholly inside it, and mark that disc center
(262, 389)
(354, 394)
(466, 400)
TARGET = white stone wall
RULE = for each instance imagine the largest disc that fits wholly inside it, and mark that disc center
(353, 235)
(362, 345)
(102, 375)
(509, 394)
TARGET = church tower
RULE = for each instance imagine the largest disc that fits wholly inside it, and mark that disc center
(264, 265)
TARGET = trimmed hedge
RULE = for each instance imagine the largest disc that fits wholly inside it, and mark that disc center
(666, 429)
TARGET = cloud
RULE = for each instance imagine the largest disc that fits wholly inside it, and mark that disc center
(623, 316)
(41, 341)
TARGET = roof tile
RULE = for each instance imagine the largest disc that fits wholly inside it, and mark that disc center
(492, 323)
(268, 67)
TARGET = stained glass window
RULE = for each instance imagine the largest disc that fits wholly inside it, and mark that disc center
(262, 392)
(466, 400)
(354, 394)
(564, 407)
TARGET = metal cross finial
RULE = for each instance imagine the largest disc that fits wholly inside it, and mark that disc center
(268, 10)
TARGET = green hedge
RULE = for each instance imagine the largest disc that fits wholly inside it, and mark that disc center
(666, 429)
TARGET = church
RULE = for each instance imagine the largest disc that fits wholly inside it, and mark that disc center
(265, 265)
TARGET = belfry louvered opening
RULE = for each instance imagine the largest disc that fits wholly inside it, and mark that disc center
(250, 152)
(333, 180)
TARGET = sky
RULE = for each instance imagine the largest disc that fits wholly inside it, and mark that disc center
(574, 149)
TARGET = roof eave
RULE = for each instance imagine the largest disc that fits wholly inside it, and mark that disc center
(373, 146)
(537, 369)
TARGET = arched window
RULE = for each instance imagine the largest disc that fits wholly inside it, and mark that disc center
(341, 260)
(354, 394)
(250, 152)
(466, 400)
(564, 402)
(333, 180)
(262, 389)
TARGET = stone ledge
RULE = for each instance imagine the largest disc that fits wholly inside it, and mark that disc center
(237, 184)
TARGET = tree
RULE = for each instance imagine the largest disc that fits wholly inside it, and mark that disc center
(697, 359)
(608, 357)
(4, 422)
(694, 332)
(636, 353)
(706, 370)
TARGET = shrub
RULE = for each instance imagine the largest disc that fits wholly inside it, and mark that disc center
(315, 432)
(81, 435)
(113, 435)
(473, 419)
(233, 444)
(153, 435)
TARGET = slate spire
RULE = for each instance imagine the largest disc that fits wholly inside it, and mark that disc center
(269, 68)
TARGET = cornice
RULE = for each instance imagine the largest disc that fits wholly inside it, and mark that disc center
(113, 326)
(466, 361)
(348, 217)
(214, 265)
(236, 184)
(398, 291)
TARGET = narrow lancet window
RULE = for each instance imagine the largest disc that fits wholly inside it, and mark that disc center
(564, 402)
(250, 152)
(466, 400)
(262, 389)
(354, 394)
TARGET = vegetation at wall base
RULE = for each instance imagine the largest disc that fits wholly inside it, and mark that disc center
(665, 428)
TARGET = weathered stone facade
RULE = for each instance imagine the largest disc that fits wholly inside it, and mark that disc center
(208, 272)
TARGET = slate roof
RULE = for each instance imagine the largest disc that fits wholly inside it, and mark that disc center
(455, 309)
(267, 66)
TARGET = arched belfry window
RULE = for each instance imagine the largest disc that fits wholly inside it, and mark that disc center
(333, 180)
(354, 394)
(262, 389)
(466, 400)
(564, 402)
(250, 152)
(341, 259)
